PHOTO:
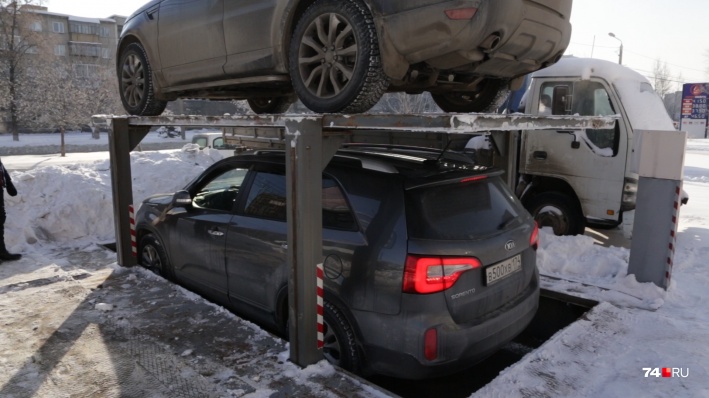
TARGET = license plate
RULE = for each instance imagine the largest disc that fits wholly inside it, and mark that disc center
(502, 270)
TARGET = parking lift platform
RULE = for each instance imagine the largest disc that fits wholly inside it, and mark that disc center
(309, 142)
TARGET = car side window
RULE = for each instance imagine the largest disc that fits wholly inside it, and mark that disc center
(221, 192)
(218, 143)
(267, 199)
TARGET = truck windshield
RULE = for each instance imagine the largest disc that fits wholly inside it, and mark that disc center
(644, 107)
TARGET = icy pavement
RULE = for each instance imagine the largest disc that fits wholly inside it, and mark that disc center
(81, 326)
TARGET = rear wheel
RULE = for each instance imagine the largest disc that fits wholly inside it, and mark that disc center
(559, 211)
(153, 257)
(340, 347)
(270, 105)
(135, 81)
(334, 58)
(484, 99)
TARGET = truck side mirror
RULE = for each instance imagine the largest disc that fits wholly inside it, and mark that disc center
(562, 100)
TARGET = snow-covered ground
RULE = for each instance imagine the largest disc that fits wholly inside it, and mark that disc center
(67, 208)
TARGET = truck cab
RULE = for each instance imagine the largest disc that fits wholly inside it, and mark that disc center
(568, 179)
(214, 140)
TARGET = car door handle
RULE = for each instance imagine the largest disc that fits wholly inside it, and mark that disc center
(215, 232)
(540, 155)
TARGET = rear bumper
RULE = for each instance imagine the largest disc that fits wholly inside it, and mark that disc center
(459, 346)
(532, 34)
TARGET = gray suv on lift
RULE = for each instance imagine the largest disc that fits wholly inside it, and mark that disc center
(430, 260)
(335, 55)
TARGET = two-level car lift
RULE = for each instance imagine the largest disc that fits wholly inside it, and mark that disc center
(310, 141)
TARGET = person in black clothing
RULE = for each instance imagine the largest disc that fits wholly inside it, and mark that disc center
(5, 185)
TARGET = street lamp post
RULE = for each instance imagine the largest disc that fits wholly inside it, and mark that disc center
(620, 54)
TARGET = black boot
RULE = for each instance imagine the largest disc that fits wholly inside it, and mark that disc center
(5, 256)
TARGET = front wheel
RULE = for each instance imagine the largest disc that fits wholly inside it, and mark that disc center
(485, 98)
(135, 81)
(335, 64)
(153, 256)
(558, 211)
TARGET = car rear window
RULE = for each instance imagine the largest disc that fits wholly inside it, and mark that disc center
(461, 211)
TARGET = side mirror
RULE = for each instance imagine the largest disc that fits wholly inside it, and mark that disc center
(562, 101)
(182, 199)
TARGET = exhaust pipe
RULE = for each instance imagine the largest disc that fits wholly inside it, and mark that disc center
(491, 42)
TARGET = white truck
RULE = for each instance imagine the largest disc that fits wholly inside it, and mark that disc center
(567, 179)
(214, 140)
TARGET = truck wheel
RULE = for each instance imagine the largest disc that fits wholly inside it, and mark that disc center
(486, 98)
(559, 211)
(270, 105)
(334, 58)
(153, 257)
(340, 347)
(135, 81)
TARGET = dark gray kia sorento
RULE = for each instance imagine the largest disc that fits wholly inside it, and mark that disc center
(430, 260)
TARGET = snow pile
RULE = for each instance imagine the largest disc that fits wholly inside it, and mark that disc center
(72, 205)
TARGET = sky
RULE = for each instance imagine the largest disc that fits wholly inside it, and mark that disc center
(635, 326)
(674, 32)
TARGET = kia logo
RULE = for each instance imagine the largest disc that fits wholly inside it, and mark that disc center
(510, 245)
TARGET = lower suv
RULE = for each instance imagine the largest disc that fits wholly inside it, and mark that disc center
(336, 56)
(429, 259)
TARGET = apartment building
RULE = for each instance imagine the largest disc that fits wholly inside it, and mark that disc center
(87, 44)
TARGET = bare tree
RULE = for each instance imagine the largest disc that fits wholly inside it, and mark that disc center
(18, 42)
(662, 78)
(407, 103)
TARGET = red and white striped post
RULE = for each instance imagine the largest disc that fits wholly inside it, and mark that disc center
(673, 234)
(320, 306)
(133, 241)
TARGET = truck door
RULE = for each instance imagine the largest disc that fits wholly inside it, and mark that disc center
(592, 162)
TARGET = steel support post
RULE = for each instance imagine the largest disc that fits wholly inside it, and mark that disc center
(304, 165)
(659, 162)
(122, 139)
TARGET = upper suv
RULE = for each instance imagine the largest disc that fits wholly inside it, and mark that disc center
(335, 55)
(429, 260)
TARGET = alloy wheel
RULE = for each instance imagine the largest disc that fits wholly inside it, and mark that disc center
(133, 80)
(327, 55)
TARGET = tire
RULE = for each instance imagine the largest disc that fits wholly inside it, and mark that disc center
(340, 347)
(559, 211)
(270, 105)
(489, 95)
(135, 83)
(153, 257)
(343, 71)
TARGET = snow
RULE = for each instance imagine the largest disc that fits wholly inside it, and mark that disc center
(635, 326)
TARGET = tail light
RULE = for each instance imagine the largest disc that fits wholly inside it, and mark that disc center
(461, 13)
(425, 274)
(534, 239)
